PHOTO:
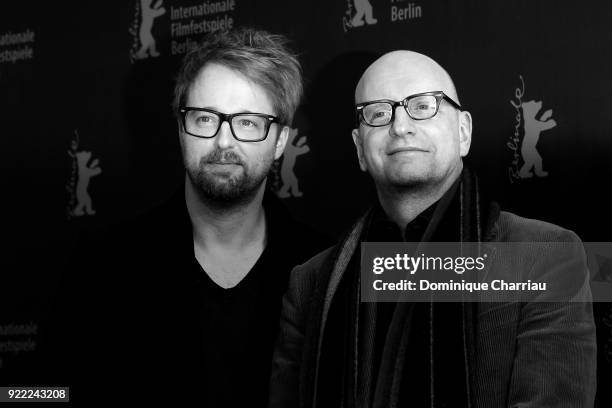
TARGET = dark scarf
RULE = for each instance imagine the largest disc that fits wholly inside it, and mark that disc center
(428, 351)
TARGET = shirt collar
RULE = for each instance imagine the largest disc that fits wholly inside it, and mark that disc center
(383, 229)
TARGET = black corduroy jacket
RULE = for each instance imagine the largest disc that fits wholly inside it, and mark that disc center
(523, 354)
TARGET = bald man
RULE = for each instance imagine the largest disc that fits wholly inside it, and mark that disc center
(336, 351)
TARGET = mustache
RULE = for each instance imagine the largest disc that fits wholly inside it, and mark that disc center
(223, 157)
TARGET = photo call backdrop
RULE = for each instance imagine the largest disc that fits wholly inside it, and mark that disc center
(88, 136)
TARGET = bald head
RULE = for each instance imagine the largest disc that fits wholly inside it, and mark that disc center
(419, 156)
(416, 71)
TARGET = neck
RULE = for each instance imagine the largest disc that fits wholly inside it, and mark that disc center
(404, 204)
(229, 224)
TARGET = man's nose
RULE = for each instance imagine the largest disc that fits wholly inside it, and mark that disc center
(403, 124)
(224, 138)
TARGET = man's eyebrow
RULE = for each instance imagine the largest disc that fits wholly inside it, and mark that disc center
(378, 100)
(213, 107)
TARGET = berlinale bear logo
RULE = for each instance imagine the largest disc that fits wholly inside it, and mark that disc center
(144, 44)
(293, 149)
(363, 14)
(283, 180)
(532, 128)
(83, 170)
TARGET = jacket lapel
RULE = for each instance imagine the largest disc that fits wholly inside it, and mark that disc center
(346, 251)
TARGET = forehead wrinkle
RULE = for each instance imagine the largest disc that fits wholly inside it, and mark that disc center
(395, 71)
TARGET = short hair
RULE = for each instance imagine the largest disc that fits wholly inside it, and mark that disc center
(262, 57)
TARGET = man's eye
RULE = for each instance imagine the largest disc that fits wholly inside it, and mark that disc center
(380, 114)
(204, 119)
(423, 106)
(248, 123)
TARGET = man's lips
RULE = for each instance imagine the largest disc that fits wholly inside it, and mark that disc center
(223, 163)
(406, 149)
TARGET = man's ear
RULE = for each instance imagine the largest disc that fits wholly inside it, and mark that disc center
(465, 133)
(359, 146)
(281, 142)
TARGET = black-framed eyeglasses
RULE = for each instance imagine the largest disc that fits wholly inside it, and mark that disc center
(245, 126)
(419, 106)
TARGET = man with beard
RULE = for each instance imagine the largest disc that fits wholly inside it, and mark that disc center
(336, 350)
(193, 289)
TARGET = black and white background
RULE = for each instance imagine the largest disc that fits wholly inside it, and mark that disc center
(91, 82)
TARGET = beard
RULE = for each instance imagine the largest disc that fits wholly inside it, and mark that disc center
(227, 186)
